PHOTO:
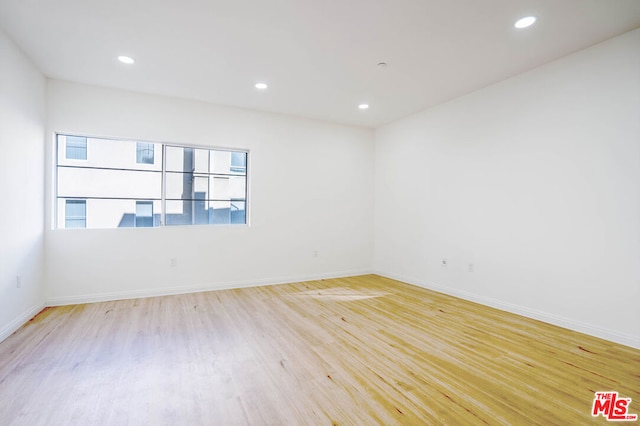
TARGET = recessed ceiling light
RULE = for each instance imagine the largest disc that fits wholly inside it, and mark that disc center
(261, 86)
(382, 64)
(525, 22)
(125, 60)
(363, 106)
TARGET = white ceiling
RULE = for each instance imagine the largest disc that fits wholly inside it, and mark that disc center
(318, 56)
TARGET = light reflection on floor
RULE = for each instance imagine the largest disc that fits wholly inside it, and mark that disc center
(340, 294)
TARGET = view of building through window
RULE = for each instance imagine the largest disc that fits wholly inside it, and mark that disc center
(105, 183)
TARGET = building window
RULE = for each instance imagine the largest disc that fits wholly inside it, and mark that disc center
(239, 162)
(75, 214)
(186, 186)
(144, 214)
(144, 153)
(76, 148)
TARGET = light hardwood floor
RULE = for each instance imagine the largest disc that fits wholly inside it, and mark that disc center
(355, 351)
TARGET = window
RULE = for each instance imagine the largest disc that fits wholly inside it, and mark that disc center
(144, 153)
(76, 148)
(144, 214)
(186, 186)
(239, 162)
(75, 214)
(201, 186)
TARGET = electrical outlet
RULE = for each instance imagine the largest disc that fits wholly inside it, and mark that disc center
(444, 262)
(18, 281)
(173, 262)
(472, 267)
(316, 253)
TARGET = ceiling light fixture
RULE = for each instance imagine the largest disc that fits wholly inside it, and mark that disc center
(363, 106)
(525, 22)
(126, 60)
(261, 86)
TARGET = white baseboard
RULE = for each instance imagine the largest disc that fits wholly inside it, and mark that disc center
(590, 329)
(14, 325)
(167, 291)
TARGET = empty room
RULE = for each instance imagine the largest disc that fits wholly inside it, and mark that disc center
(319, 212)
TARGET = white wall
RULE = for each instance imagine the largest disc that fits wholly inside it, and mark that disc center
(311, 189)
(22, 104)
(536, 182)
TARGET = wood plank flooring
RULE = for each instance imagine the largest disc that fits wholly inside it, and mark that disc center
(354, 351)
